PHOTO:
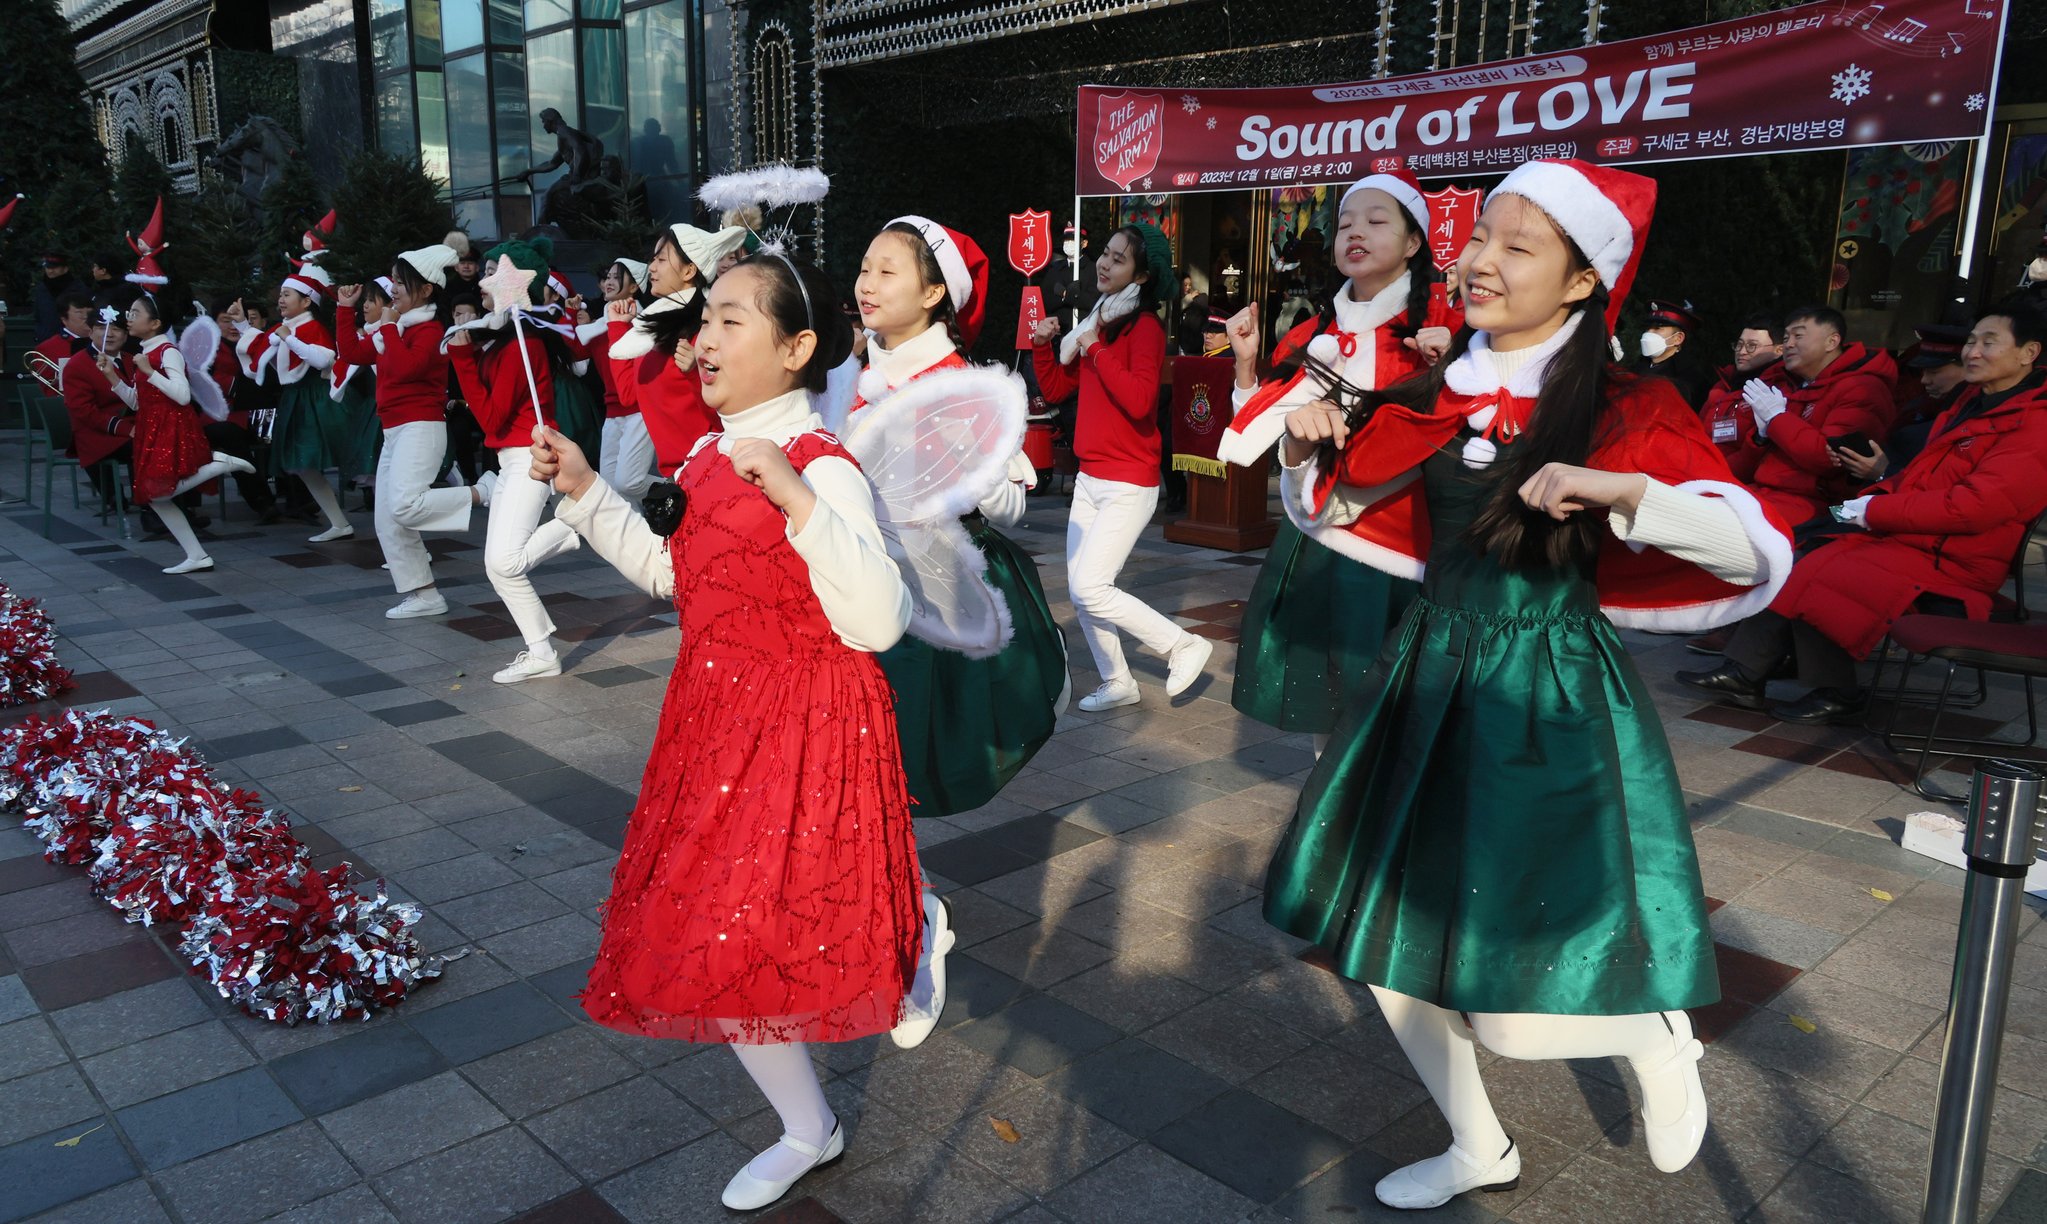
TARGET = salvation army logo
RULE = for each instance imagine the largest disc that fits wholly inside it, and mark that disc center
(1201, 414)
(1130, 132)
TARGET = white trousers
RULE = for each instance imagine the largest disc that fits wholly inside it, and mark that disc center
(509, 552)
(407, 504)
(627, 462)
(1103, 527)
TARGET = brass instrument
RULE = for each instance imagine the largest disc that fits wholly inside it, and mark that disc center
(45, 371)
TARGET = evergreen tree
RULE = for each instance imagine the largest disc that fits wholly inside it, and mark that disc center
(50, 151)
(219, 247)
(385, 204)
(291, 206)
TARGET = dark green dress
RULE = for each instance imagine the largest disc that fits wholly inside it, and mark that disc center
(968, 725)
(354, 432)
(1497, 826)
(298, 442)
(578, 410)
(1313, 625)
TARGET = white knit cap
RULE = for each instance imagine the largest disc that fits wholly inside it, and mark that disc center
(432, 262)
(705, 250)
(635, 269)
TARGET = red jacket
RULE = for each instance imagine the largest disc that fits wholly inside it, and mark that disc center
(1792, 469)
(494, 385)
(1728, 420)
(1116, 433)
(412, 372)
(595, 340)
(1947, 524)
(668, 398)
(60, 347)
(101, 424)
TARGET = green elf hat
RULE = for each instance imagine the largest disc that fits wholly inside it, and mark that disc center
(1158, 254)
(532, 254)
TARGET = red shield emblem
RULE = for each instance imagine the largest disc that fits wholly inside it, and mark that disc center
(1030, 240)
(1130, 132)
(1453, 214)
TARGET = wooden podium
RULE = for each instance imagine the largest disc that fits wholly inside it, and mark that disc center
(1226, 512)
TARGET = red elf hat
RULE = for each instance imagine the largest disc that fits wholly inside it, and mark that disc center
(147, 248)
(966, 272)
(315, 239)
(1604, 210)
(7, 209)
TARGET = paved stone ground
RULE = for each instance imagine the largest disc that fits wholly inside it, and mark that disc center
(1161, 1053)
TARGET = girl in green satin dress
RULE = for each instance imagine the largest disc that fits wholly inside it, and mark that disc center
(1315, 619)
(1496, 828)
(303, 432)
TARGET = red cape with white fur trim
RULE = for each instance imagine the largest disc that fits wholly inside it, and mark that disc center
(1654, 433)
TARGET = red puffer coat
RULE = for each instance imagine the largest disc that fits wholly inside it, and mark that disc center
(1792, 470)
(1947, 524)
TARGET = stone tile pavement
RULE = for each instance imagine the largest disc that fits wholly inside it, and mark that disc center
(1127, 1041)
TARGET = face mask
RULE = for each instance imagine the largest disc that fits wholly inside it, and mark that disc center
(1072, 248)
(1654, 345)
(2037, 270)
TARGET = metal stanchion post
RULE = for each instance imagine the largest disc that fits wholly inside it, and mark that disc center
(2002, 841)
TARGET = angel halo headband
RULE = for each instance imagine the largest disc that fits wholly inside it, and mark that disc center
(809, 315)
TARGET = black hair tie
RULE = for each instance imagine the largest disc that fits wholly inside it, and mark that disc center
(662, 504)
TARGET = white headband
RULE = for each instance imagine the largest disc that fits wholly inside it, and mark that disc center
(959, 283)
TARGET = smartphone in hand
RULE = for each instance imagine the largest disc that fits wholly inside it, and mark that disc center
(1856, 443)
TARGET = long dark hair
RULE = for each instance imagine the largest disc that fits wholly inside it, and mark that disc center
(1569, 421)
(929, 274)
(631, 282)
(1421, 276)
(405, 274)
(795, 307)
(672, 327)
(1147, 293)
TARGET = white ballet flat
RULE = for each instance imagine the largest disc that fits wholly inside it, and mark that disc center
(918, 1022)
(1437, 1180)
(341, 532)
(190, 565)
(1674, 1141)
(745, 1192)
(238, 466)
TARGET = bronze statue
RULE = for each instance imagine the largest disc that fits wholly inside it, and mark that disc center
(580, 152)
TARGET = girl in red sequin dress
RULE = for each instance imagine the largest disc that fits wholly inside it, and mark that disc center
(171, 451)
(767, 894)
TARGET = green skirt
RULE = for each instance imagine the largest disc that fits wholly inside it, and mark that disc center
(968, 725)
(1313, 625)
(358, 433)
(302, 438)
(1497, 826)
(578, 413)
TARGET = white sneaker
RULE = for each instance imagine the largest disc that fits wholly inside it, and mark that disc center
(190, 565)
(340, 531)
(1113, 693)
(920, 1018)
(234, 464)
(745, 1192)
(419, 603)
(1184, 664)
(529, 666)
(1437, 1180)
(1673, 1098)
(486, 484)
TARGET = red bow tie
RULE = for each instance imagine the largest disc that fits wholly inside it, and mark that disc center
(1510, 415)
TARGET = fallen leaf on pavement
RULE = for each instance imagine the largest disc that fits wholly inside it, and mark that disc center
(1804, 1025)
(1880, 894)
(73, 1140)
(1005, 1130)
(350, 790)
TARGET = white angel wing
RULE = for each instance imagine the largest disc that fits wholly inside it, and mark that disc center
(199, 345)
(933, 450)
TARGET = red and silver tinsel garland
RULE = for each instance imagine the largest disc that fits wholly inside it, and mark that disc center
(168, 842)
(29, 670)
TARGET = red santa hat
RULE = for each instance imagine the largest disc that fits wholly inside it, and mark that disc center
(7, 209)
(147, 248)
(315, 239)
(1402, 185)
(1604, 210)
(312, 280)
(560, 286)
(965, 268)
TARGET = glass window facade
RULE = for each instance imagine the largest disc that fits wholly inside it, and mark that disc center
(461, 84)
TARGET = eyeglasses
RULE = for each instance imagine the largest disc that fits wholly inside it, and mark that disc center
(1745, 347)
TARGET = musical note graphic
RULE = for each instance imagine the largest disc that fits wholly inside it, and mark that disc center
(1907, 30)
(1867, 14)
(1954, 45)
(1986, 9)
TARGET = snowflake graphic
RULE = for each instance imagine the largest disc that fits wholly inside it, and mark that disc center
(1211, 123)
(1189, 103)
(1147, 182)
(1975, 102)
(1851, 84)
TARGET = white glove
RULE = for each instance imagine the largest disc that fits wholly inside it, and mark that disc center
(1766, 401)
(1856, 511)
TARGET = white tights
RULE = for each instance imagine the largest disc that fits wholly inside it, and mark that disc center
(323, 494)
(1443, 1053)
(174, 520)
(786, 1076)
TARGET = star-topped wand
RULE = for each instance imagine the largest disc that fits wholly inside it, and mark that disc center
(511, 291)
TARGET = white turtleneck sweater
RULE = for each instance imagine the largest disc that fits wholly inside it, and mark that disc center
(854, 578)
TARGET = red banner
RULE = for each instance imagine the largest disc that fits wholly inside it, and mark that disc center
(1029, 313)
(1453, 214)
(1030, 240)
(1820, 76)
(1201, 411)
